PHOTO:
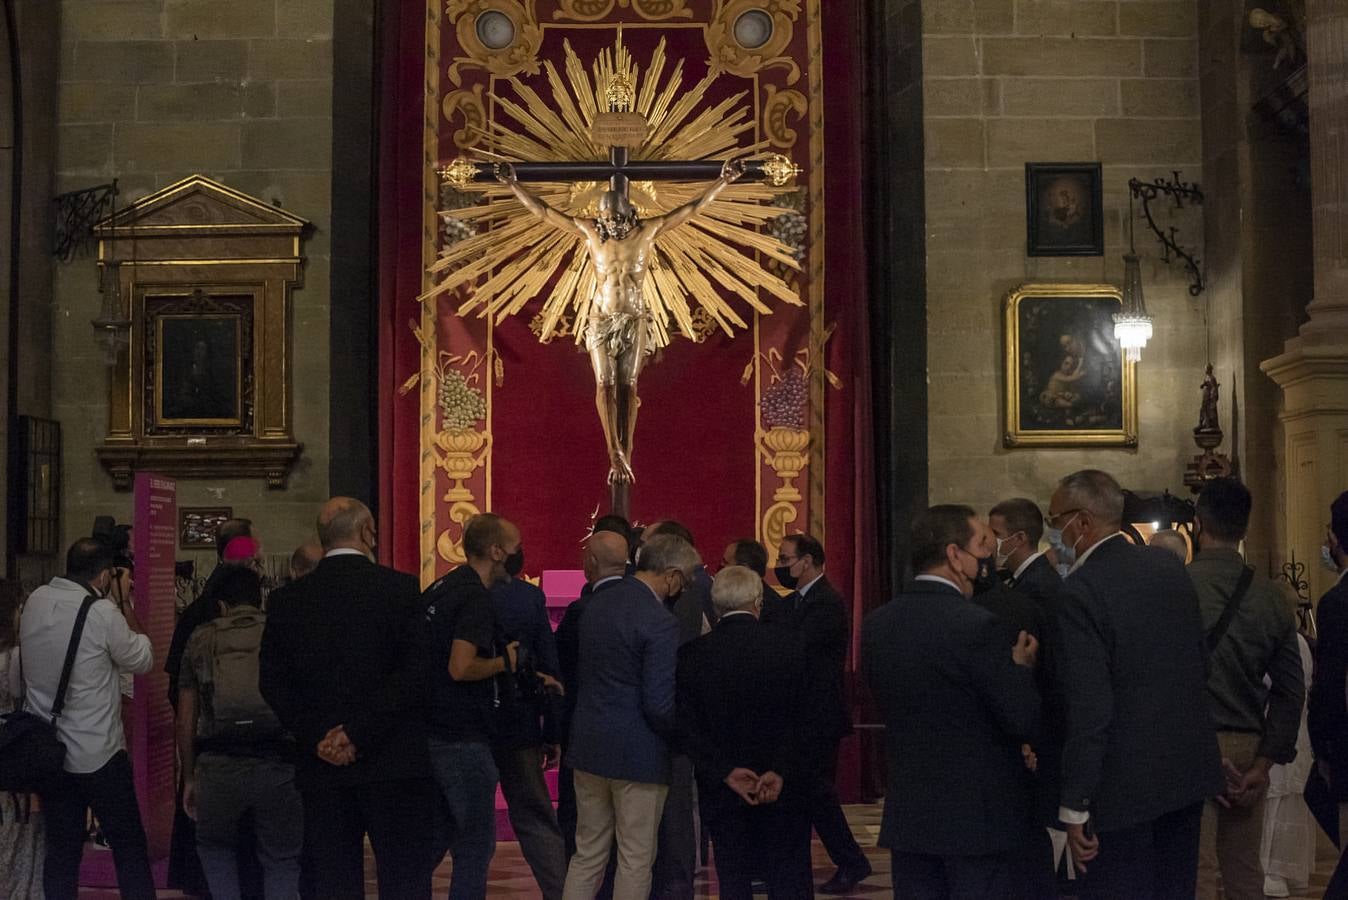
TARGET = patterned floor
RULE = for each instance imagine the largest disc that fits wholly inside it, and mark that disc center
(511, 879)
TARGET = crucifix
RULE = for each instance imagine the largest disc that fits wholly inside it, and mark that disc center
(621, 246)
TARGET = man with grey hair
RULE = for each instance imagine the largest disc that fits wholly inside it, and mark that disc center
(624, 720)
(750, 724)
(343, 664)
(1140, 756)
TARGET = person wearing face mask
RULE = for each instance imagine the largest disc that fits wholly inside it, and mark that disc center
(343, 664)
(619, 743)
(97, 769)
(1019, 527)
(1140, 754)
(1327, 706)
(817, 613)
(958, 703)
(527, 738)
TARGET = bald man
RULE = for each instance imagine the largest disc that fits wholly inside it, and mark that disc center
(305, 559)
(343, 665)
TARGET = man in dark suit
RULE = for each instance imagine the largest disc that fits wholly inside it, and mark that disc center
(1327, 707)
(819, 619)
(957, 703)
(746, 716)
(754, 556)
(624, 720)
(676, 856)
(1140, 756)
(343, 665)
(1033, 585)
(1019, 527)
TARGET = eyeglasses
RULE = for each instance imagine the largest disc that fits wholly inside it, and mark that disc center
(787, 560)
(1054, 519)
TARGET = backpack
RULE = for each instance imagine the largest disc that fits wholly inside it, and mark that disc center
(232, 707)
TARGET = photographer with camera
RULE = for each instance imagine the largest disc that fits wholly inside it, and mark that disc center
(75, 640)
(466, 690)
(527, 741)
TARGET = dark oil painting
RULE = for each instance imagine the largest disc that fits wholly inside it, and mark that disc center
(1071, 367)
(199, 379)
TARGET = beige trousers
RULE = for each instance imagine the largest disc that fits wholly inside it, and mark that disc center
(1231, 838)
(605, 807)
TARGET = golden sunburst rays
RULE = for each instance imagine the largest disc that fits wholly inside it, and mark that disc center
(713, 262)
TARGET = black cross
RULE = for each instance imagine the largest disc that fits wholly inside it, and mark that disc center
(619, 171)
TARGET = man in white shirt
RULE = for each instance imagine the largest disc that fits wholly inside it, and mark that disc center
(98, 770)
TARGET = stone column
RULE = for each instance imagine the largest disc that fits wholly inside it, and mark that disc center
(1313, 368)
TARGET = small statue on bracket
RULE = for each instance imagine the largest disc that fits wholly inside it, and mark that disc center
(1207, 413)
(1208, 436)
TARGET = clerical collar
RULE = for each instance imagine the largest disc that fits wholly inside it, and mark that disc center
(606, 581)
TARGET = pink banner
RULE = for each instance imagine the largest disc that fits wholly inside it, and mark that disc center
(147, 716)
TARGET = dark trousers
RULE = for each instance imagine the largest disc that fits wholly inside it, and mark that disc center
(110, 792)
(467, 777)
(826, 815)
(676, 854)
(922, 876)
(532, 816)
(772, 841)
(232, 790)
(1157, 860)
(398, 817)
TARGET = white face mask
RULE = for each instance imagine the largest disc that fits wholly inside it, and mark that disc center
(1002, 557)
(1327, 559)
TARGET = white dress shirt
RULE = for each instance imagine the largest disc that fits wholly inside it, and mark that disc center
(91, 724)
(938, 579)
(805, 588)
(1091, 549)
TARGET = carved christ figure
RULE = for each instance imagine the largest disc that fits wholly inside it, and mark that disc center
(620, 245)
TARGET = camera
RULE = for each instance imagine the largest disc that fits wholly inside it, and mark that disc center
(116, 540)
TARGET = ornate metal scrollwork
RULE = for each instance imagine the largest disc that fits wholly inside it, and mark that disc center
(1179, 191)
(76, 214)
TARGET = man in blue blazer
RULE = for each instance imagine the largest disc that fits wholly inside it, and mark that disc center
(958, 703)
(624, 719)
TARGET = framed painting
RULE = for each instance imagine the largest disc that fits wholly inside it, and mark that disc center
(1064, 209)
(199, 362)
(1067, 382)
(197, 526)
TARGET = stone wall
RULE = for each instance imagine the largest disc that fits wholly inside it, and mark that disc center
(1014, 81)
(1258, 255)
(36, 24)
(151, 91)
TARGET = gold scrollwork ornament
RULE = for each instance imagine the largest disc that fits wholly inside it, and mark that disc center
(520, 55)
(786, 451)
(469, 105)
(777, 107)
(594, 10)
(449, 547)
(729, 55)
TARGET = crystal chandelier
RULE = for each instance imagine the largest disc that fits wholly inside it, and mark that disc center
(1132, 325)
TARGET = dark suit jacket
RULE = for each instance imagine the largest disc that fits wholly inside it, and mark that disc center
(693, 607)
(956, 710)
(624, 715)
(1326, 711)
(1139, 741)
(346, 646)
(820, 620)
(568, 650)
(744, 701)
(1039, 580)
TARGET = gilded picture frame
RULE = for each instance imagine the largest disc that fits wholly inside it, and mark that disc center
(198, 370)
(1067, 381)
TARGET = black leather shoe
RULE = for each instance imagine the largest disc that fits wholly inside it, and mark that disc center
(844, 881)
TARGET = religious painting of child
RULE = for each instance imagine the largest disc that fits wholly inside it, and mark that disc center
(1064, 215)
(1070, 382)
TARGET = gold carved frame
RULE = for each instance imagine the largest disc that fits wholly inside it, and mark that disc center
(199, 240)
(1016, 436)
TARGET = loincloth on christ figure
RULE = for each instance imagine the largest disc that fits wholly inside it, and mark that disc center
(615, 334)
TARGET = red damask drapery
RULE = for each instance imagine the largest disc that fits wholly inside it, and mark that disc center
(709, 450)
